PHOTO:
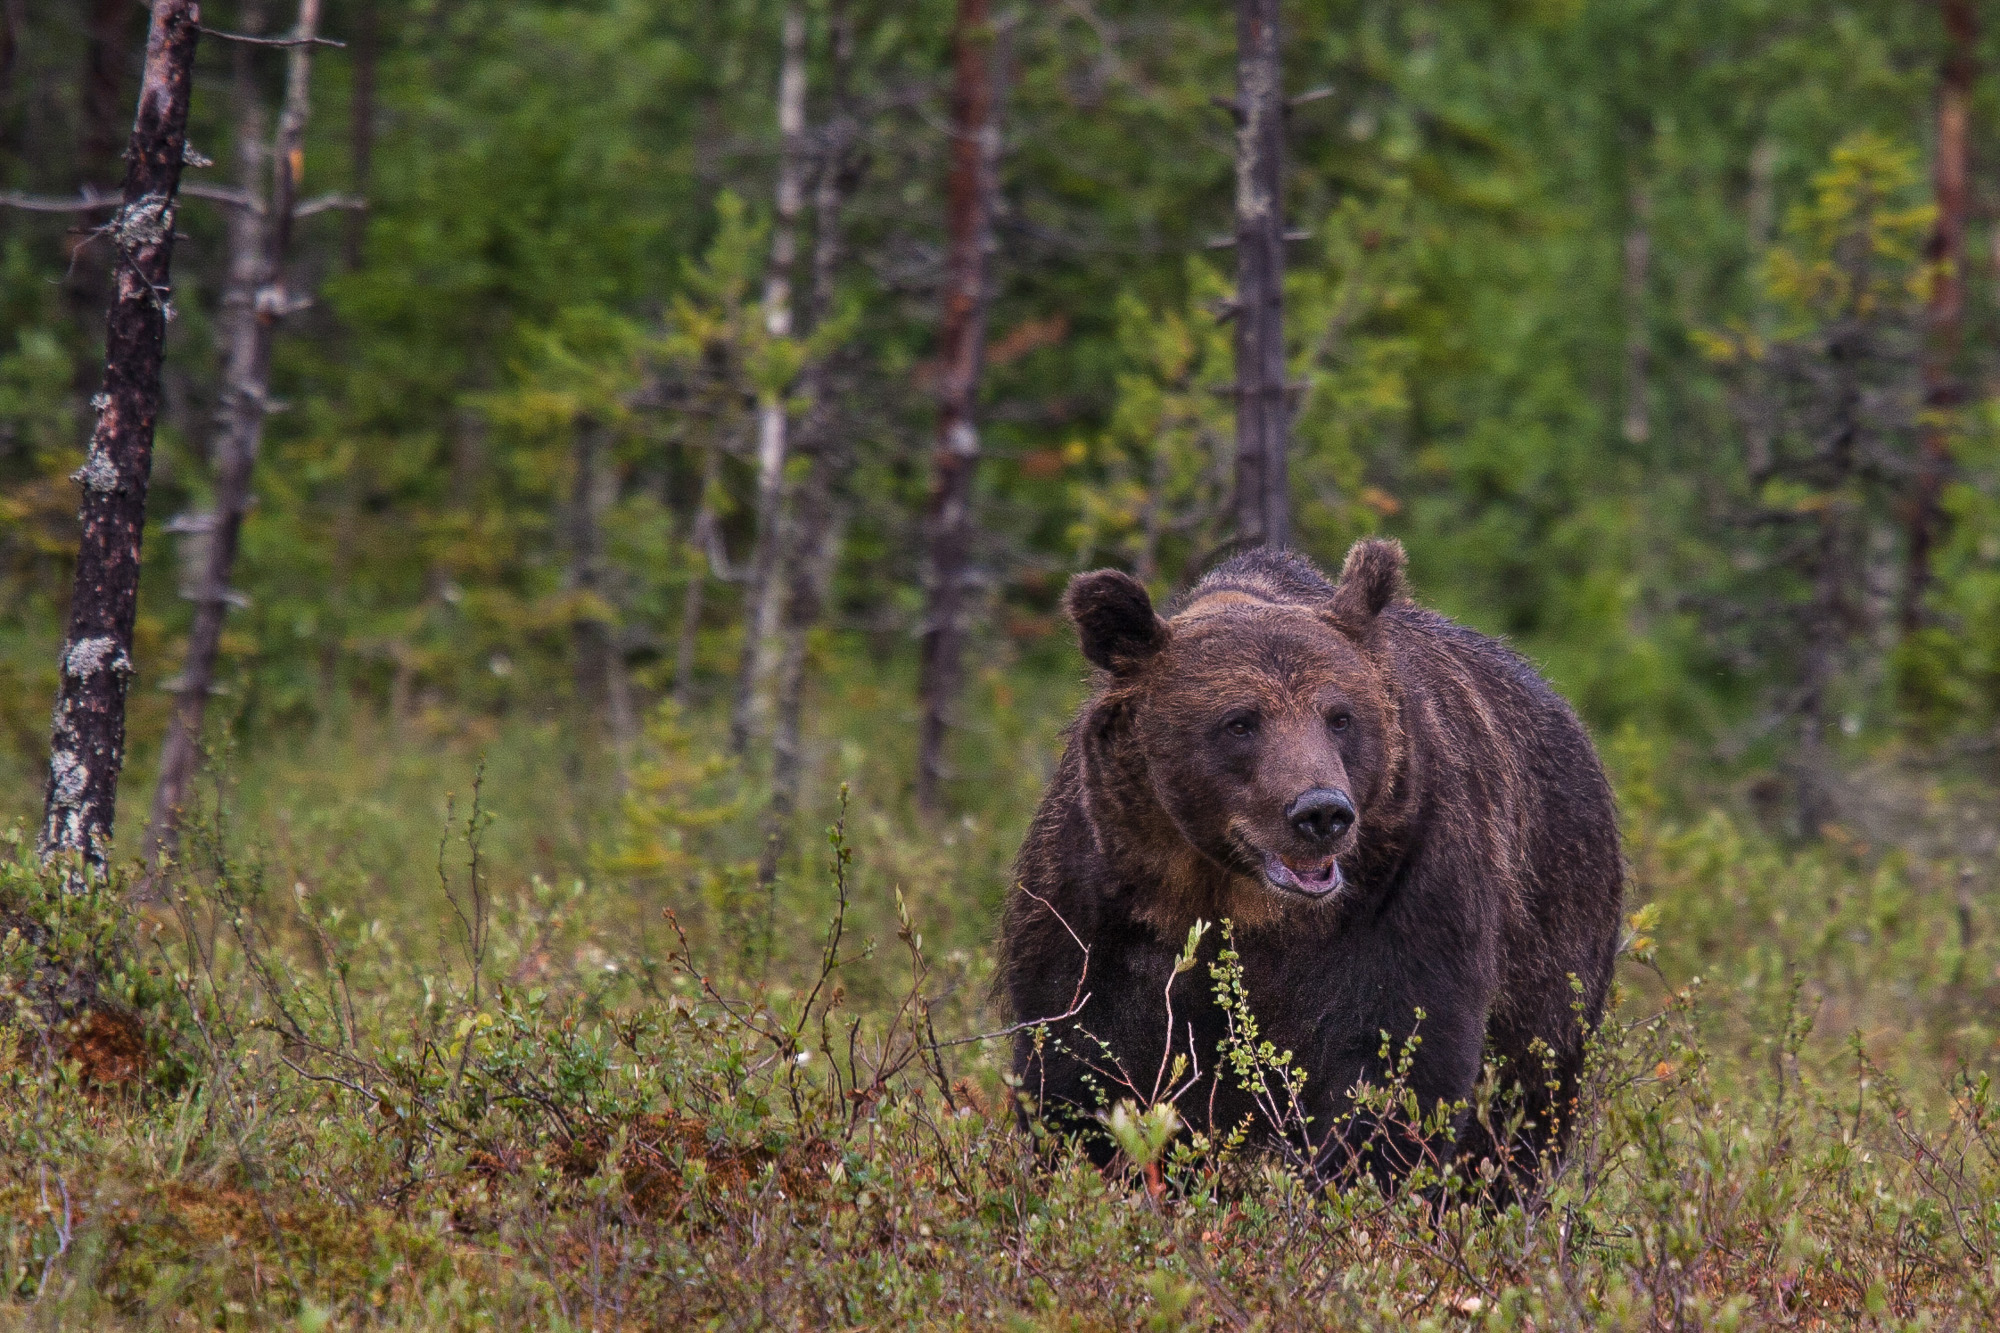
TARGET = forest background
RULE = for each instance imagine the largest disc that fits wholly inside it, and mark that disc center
(1657, 332)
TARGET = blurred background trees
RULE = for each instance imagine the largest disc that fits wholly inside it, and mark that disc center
(1624, 315)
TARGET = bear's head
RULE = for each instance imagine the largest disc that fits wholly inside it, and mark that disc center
(1236, 753)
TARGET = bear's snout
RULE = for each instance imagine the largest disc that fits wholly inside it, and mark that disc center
(1321, 815)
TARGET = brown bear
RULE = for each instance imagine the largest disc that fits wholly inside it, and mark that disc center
(1397, 815)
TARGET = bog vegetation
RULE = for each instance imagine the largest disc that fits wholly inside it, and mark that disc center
(597, 649)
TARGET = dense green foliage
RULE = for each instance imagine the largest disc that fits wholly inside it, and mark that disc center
(1567, 317)
(548, 245)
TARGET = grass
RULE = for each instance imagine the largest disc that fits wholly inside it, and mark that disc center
(379, 1058)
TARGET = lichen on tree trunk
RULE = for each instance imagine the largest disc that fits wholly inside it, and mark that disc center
(87, 732)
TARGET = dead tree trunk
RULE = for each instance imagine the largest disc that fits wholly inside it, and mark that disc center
(260, 234)
(761, 602)
(600, 665)
(1942, 389)
(975, 153)
(810, 536)
(87, 734)
(1263, 503)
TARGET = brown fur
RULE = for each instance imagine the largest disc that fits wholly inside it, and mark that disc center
(1480, 875)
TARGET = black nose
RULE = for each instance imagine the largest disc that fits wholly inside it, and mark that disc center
(1322, 814)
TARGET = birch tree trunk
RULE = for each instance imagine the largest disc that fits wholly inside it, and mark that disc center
(975, 153)
(87, 732)
(260, 235)
(810, 536)
(1263, 501)
(1942, 389)
(761, 601)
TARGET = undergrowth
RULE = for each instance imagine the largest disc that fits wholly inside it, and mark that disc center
(794, 1112)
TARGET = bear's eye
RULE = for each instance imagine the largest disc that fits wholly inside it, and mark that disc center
(1337, 721)
(1240, 724)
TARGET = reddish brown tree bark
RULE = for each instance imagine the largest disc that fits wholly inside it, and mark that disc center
(1942, 389)
(1263, 426)
(975, 151)
(87, 733)
(260, 232)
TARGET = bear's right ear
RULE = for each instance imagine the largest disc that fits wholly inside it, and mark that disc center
(1114, 619)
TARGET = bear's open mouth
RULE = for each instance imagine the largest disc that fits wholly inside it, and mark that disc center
(1315, 880)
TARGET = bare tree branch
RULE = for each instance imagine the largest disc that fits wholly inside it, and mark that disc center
(247, 40)
(87, 200)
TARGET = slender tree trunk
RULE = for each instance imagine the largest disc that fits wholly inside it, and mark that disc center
(260, 235)
(701, 537)
(761, 601)
(362, 54)
(1833, 618)
(1813, 788)
(600, 667)
(1263, 501)
(361, 127)
(810, 536)
(812, 559)
(1152, 518)
(1761, 216)
(1638, 426)
(975, 152)
(87, 733)
(1761, 207)
(1942, 389)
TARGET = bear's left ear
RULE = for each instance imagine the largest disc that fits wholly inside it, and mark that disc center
(1371, 578)
(1115, 623)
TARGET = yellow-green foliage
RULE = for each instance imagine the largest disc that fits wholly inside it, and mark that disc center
(1161, 474)
(680, 798)
(1853, 251)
